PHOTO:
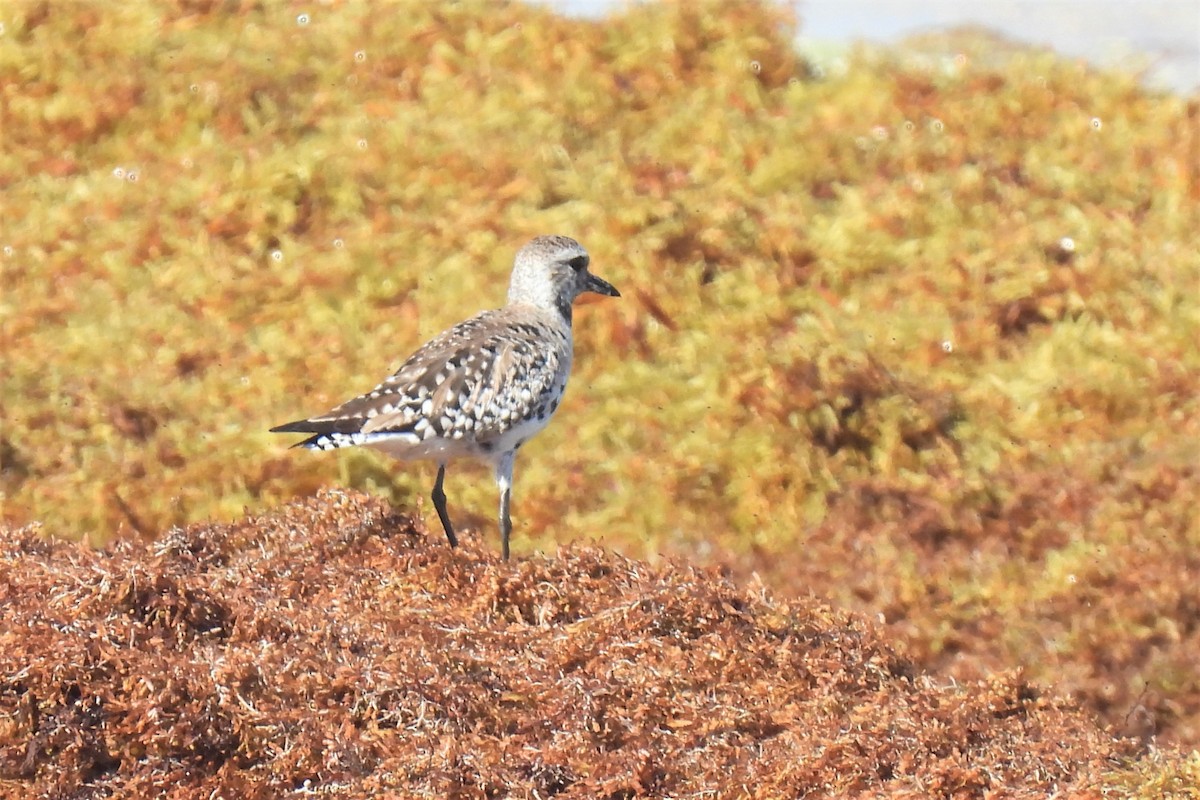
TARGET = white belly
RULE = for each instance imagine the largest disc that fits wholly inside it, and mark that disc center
(409, 447)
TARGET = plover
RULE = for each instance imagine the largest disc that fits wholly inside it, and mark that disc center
(480, 389)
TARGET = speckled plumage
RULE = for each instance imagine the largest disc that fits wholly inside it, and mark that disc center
(480, 389)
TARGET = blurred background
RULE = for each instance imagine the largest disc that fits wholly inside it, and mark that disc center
(910, 325)
(1159, 39)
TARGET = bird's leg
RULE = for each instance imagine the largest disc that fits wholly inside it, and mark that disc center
(439, 502)
(504, 471)
(505, 521)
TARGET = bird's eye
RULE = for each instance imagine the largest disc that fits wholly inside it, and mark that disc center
(579, 263)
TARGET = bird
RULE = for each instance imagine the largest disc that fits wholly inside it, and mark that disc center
(480, 389)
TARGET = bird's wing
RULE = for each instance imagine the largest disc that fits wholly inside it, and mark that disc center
(478, 378)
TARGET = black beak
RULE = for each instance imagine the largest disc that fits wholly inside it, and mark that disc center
(600, 286)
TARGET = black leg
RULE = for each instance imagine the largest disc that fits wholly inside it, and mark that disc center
(505, 521)
(504, 470)
(439, 502)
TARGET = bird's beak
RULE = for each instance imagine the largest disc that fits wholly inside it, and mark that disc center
(600, 286)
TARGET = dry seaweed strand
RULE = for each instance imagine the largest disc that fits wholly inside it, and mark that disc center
(336, 647)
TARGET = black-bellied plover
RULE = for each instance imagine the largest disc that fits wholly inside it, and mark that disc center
(480, 389)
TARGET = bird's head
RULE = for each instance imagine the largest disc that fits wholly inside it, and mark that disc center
(551, 271)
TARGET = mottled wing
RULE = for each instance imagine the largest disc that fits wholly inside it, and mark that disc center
(476, 379)
(479, 385)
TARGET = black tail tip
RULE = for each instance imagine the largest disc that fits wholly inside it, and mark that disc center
(299, 426)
